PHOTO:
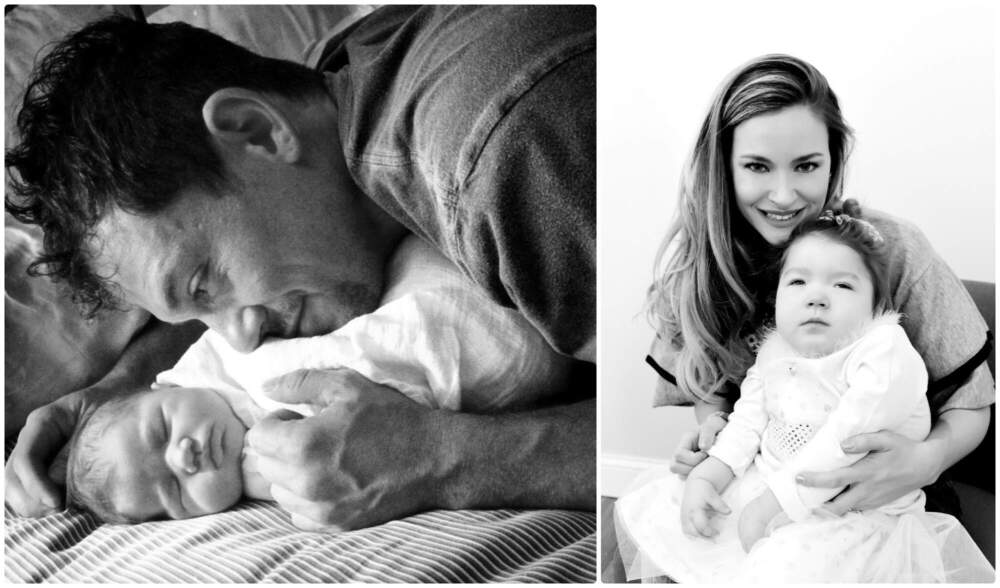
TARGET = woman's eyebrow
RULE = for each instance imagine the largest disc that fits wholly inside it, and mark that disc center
(754, 157)
(807, 157)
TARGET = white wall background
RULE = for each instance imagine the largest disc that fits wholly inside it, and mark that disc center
(916, 82)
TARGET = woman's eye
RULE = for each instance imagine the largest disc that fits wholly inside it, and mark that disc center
(757, 168)
(807, 166)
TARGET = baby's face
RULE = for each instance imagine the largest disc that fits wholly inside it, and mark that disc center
(177, 455)
(824, 295)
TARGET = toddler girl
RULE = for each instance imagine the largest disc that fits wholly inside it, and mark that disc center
(836, 364)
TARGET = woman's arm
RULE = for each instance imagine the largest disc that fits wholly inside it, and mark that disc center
(896, 465)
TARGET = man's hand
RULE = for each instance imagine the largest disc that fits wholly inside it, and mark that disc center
(368, 457)
(694, 445)
(755, 518)
(29, 490)
(701, 504)
(373, 455)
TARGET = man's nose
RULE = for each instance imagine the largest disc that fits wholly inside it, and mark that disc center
(242, 328)
(183, 457)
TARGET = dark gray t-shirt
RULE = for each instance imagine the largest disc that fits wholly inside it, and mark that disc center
(475, 128)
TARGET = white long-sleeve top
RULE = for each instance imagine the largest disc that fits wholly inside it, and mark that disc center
(794, 411)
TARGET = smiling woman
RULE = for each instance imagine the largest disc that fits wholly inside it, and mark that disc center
(781, 170)
(769, 160)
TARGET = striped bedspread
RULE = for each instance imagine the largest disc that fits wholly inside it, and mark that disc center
(256, 542)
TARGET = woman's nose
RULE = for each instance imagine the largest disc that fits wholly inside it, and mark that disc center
(184, 457)
(783, 193)
(242, 327)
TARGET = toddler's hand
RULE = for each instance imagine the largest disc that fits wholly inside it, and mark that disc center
(756, 517)
(701, 503)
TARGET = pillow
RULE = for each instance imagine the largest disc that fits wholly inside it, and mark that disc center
(50, 349)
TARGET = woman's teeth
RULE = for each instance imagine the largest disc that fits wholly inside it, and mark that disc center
(779, 217)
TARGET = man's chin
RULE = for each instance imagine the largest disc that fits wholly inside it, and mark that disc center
(325, 315)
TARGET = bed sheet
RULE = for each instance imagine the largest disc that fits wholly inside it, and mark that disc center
(256, 542)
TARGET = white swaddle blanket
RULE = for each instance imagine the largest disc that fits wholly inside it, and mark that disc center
(436, 338)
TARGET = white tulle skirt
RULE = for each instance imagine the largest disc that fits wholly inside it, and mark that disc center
(859, 547)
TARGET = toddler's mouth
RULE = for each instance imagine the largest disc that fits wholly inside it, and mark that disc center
(815, 321)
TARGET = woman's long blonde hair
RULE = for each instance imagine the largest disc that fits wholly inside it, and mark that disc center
(700, 301)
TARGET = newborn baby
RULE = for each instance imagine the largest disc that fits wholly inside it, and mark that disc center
(176, 451)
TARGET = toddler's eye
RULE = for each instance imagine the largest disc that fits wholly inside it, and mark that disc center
(796, 282)
(844, 285)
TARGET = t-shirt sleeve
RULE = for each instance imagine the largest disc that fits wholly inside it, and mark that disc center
(527, 221)
(947, 330)
(662, 358)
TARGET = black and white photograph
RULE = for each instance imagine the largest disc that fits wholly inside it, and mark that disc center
(300, 294)
(797, 268)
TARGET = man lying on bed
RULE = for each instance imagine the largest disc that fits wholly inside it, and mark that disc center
(177, 172)
(176, 451)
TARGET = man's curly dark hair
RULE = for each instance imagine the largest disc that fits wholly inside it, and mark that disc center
(112, 119)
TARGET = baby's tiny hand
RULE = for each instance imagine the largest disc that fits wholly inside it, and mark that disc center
(700, 504)
(755, 518)
(254, 485)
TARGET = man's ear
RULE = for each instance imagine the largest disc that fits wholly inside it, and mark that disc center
(253, 123)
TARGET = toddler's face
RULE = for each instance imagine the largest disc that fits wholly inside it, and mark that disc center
(825, 293)
(178, 455)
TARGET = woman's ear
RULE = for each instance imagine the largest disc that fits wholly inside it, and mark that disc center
(253, 123)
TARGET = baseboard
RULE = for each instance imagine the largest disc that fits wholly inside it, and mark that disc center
(618, 471)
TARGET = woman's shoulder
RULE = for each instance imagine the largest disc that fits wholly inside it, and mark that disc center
(901, 233)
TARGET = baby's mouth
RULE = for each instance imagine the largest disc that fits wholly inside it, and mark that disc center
(815, 321)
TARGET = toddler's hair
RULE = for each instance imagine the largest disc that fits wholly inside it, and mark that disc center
(844, 224)
(89, 473)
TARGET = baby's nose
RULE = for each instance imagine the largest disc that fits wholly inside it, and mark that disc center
(187, 457)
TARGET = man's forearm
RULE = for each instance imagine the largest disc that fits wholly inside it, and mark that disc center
(156, 348)
(536, 459)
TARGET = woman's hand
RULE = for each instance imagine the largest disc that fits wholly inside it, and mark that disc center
(894, 466)
(694, 445)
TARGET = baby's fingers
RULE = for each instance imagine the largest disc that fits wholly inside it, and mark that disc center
(717, 504)
(702, 523)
